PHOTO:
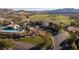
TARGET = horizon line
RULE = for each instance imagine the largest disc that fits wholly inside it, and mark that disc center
(39, 9)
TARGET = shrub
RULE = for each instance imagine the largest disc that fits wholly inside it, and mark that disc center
(73, 46)
(7, 43)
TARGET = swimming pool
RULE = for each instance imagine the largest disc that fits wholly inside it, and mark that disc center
(9, 29)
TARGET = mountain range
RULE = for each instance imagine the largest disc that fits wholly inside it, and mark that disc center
(65, 10)
(57, 11)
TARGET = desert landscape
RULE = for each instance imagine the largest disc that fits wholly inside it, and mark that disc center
(22, 29)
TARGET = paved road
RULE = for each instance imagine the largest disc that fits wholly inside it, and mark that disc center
(59, 38)
(22, 46)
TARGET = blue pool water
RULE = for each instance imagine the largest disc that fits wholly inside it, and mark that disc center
(9, 29)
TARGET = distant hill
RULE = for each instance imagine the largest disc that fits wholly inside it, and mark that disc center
(59, 11)
(65, 10)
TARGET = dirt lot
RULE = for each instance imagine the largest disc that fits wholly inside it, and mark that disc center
(22, 46)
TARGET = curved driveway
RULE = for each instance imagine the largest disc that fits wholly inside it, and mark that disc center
(59, 38)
